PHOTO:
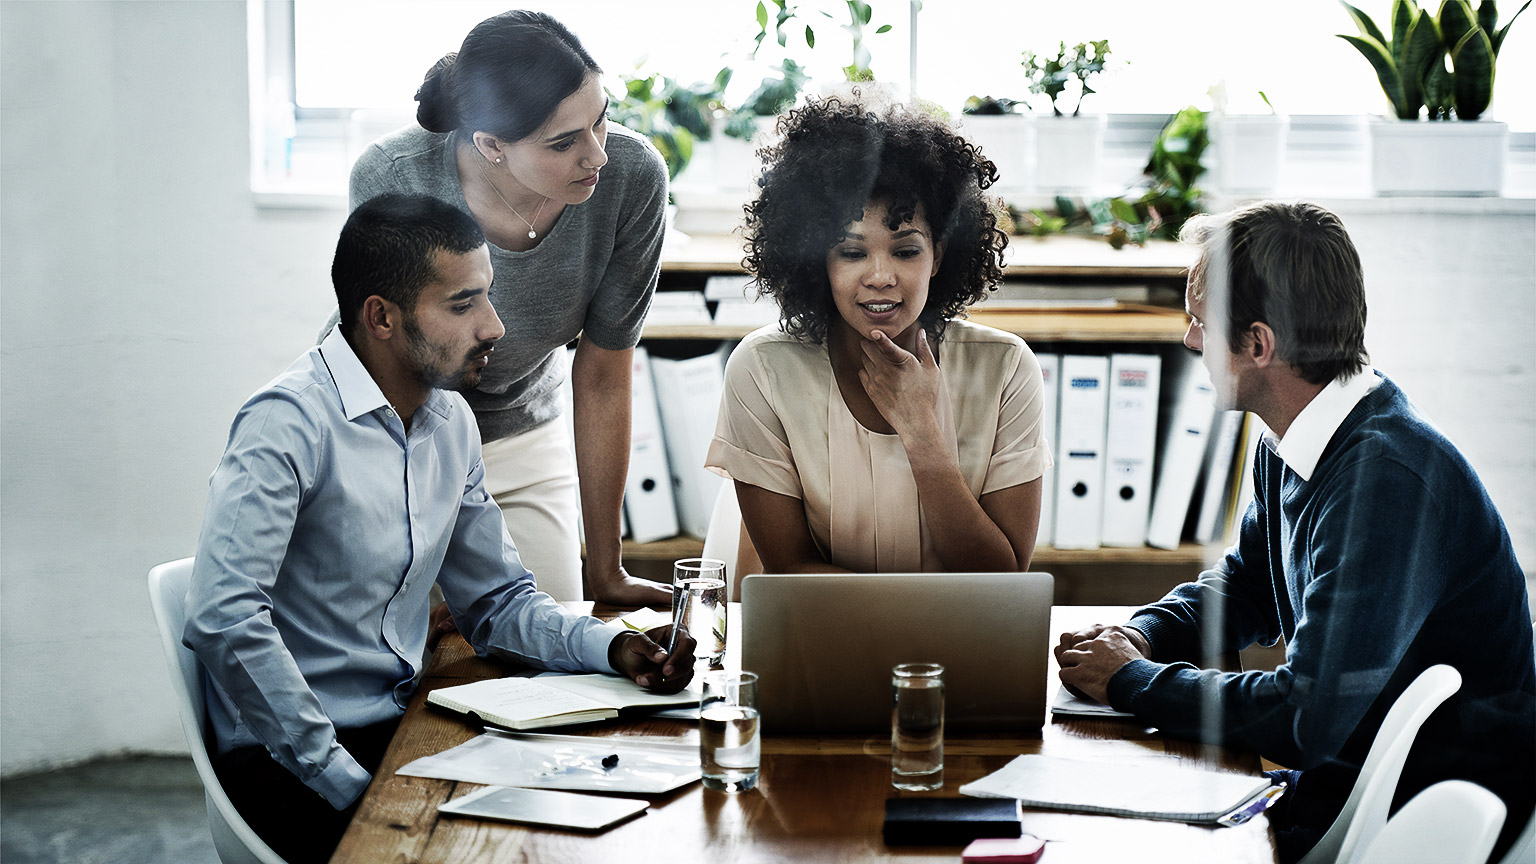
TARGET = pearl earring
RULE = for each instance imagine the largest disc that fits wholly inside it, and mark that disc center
(498, 160)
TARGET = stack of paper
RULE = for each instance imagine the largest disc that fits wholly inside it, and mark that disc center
(678, 307)
(551, 700)
(564, 762)
(1155, 788)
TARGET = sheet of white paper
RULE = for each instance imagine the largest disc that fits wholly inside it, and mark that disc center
(564, 762)
(645, 618)
(1067, 705)
(614, 690)
(545, 807)
(1151, 788)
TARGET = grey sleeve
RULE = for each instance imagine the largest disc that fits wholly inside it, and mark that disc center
(617, 312)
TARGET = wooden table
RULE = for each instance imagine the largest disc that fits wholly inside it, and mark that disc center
(819, 799)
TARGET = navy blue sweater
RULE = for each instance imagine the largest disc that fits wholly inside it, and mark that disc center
(1391, 559)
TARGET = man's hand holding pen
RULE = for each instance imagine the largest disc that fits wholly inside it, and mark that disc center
(641, 658)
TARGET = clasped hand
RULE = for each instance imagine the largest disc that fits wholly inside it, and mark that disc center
(1092, 656)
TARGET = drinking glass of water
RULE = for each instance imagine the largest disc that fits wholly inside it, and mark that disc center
(698, 604)
(730, 748)
(917, 726)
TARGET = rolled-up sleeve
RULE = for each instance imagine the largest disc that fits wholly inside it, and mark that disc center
(1021, 451)
(750, 444)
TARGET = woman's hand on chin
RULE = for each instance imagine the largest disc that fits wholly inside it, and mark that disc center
(903, 386)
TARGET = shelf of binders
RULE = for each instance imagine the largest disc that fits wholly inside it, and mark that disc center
(1187, 555)
(1059, 293)
(1144, 324)
(1060, 255)
(1048, 259)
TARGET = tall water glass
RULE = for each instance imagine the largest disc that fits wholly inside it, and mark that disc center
(730, 747)
(917, 726)
(698, 603)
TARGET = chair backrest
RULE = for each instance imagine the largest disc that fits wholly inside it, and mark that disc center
(1524, 850)
(722, 537)
(1365, 812)
(1453, 822)
(234, 841)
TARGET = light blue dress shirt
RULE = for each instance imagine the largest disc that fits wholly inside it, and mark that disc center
(326, 526)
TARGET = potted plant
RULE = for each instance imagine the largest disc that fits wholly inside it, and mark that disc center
(643, 108)
(1158, 206)
(1067, 146)
(745, 129)
(1003, 135)
(1414, 157)
(1250, 147)
(860, 16)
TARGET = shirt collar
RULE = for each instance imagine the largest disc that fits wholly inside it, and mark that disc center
(1309, 434)
(359, 393)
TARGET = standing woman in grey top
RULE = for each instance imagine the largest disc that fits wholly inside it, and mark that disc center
(513, 129)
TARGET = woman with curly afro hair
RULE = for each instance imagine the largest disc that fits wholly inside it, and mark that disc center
(872, 431)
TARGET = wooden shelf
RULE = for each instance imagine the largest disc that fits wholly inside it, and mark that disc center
(1188, 554)
(1026, 256)
(1143, 324)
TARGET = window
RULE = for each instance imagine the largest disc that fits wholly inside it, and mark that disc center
(340, 72)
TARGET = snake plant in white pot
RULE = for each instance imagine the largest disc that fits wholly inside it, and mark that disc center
(1437, 155)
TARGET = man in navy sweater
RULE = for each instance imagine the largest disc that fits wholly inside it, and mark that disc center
(1371, 548)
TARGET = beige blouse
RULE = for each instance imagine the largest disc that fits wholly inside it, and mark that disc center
(783, 426)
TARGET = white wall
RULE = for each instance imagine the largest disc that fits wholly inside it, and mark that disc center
(144, 296)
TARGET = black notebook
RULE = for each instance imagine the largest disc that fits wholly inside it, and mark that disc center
(948, 821)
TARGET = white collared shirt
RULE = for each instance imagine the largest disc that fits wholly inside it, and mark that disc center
(1313, 428)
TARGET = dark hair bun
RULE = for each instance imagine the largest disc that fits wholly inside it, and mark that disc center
(435, 110)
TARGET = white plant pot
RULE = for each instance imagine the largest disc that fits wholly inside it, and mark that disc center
(1067, 152)
(1250, 148)
(736, 164)
(1005, 139)
(1442, 157)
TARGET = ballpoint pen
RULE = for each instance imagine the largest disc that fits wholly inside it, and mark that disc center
(678, 617)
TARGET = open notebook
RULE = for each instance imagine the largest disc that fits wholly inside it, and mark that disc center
(552, 699)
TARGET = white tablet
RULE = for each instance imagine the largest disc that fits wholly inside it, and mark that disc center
(545, 807)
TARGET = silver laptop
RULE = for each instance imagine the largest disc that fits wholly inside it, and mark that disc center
(823, 646)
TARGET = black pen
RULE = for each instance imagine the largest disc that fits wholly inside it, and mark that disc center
(678, 617)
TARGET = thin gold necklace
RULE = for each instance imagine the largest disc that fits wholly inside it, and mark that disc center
(532, 234)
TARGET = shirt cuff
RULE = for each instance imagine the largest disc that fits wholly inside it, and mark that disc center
(342, 782)
(595, 646)
(1129, 682)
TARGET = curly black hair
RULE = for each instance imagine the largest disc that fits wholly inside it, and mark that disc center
(834, 157)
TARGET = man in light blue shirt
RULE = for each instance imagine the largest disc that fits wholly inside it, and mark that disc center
(350, 485)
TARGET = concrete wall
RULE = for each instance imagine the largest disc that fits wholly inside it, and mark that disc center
(143, 296)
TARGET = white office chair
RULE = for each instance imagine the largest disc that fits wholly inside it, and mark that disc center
(1453, 822)
(235, 842)
(723, 535)
(1365, 812)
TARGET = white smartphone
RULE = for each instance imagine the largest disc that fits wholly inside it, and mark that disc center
(545, 807)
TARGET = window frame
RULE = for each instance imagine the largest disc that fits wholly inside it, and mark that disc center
(1318, 139)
